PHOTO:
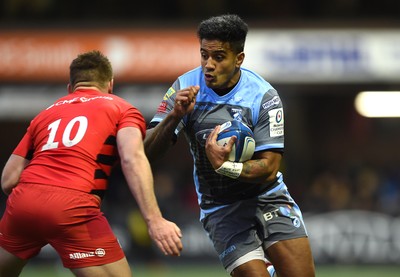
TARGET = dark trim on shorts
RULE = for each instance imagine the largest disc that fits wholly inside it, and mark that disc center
(99, 192)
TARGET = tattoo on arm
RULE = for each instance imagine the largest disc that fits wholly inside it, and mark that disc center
(253, 166)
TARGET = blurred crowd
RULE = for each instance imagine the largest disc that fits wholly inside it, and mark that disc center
(363, 188)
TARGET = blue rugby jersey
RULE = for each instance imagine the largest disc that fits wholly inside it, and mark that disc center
(253, 101)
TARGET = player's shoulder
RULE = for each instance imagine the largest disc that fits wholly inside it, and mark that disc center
(193, 76)
(116, 101)
(256, 85)
(256, 79)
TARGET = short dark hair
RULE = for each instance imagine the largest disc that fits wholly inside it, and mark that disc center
(91, 67)
(226, 28)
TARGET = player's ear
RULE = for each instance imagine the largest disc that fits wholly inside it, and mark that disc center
(239, 59)
(111, 86)
(70, 88)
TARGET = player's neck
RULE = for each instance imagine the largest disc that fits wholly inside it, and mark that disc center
(86, 88)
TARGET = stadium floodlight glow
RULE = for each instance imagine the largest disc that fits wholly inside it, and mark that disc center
(378, 103)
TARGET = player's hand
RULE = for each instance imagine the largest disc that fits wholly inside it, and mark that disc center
(217, 154)
(185, 100)
(166, 235)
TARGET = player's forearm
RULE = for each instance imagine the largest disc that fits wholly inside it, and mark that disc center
(140, 180)
(258, 171)
(147, 203)
(160, 138)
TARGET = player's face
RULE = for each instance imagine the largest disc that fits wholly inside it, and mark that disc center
(221, 66)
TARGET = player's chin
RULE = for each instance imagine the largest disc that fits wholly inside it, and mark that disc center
(211, 83)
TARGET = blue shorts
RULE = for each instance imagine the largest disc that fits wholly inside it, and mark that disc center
(245, 225)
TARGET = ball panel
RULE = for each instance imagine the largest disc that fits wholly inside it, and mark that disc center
(249, 146)
(244, 147)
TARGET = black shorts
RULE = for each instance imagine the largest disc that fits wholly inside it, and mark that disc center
(243, 226)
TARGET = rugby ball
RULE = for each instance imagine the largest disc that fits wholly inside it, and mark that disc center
(243, 149)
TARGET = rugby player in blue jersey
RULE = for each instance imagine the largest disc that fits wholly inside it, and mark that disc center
(245, 208)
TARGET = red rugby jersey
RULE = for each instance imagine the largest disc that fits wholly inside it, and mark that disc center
(73, 142)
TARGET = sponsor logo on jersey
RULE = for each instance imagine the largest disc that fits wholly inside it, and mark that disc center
(276, 122)
(79, 99)
(237, 114)
(99, 252)
(85, 99)
(270, 103)
(162, 107)
(169, 93)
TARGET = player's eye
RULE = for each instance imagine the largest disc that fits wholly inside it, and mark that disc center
(204, 56)
(219, 58)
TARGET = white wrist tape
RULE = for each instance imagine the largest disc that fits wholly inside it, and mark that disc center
(230, 169)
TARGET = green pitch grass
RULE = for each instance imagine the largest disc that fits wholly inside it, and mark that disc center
(214, 270)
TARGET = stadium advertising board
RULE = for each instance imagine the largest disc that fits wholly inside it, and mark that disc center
(282, 56)
(342, 237)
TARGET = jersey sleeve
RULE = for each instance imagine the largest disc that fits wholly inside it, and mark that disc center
(25, 147)
(132, 117)
(166, 106)
(269, 130)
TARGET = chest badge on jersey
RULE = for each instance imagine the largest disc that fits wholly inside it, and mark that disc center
(236, 113)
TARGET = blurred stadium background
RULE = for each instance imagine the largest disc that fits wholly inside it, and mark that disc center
(341, 167)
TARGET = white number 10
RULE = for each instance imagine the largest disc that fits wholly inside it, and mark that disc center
(66, 140)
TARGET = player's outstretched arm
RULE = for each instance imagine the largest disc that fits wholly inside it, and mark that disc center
(137, 171)
(161, 138)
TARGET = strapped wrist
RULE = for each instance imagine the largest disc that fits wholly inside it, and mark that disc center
(230, 169)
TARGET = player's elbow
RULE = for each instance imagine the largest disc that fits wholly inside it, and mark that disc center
(127, 162)
(12, 172)
(7, 190)
(7, 184)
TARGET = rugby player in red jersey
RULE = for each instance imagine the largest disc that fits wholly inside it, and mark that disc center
(58, 174)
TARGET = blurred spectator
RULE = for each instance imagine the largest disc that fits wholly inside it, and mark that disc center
(366, 183)
(328, 192)
(389, 193)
